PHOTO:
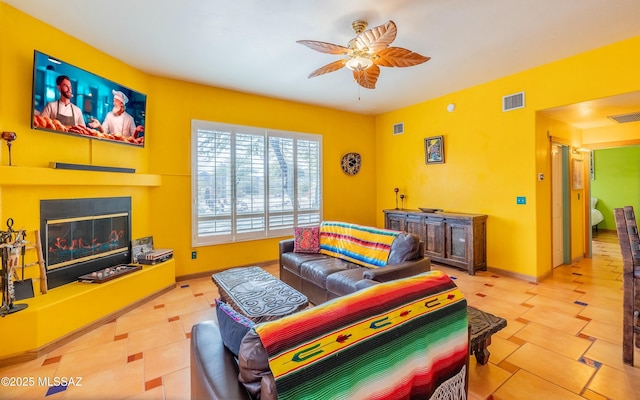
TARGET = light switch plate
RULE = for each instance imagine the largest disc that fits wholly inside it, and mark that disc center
(521, 200)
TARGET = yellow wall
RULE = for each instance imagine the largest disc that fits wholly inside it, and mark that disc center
(164, 211)
(491, 156)
(494, 156)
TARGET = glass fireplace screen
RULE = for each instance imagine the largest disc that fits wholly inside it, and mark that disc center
(73, 240)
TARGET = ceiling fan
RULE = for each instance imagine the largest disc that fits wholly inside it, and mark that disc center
(366, 53)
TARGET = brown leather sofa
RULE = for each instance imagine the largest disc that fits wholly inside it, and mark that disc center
(321, 277)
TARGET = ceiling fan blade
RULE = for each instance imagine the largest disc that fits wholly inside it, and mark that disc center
(334, 66)
(367, 78)
(324, 47)
(399, 57)
(378, 38)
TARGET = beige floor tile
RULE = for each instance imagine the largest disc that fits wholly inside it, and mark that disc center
(484, 379)
(554, 340)
(163, 360)
(93, 360)
(553, 367)
(565, 292)
(149, 338)
(140, 320)
(177, 385)
(526, 386)
(500, 307)
(38, 373)
(603, 315)
(552, 319)
(605, 331)
(592, 299)
(100, 335)
(110, 383)
(190, 319)
(187, 305)
(559, 306)
(500, 349)
(512, 327)
(153, 394)
(610, 354)
(615, 384)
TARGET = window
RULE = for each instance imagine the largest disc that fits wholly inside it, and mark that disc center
(251, 183)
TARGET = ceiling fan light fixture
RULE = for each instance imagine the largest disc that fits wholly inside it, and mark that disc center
(359, 63)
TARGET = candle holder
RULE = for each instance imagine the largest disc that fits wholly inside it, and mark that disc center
(396, 190)
(9, 137)
(402, 200)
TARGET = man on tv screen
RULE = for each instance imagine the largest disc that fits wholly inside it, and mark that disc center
(118, 122)
(63, 109)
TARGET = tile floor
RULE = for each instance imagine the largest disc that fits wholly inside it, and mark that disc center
(562, 341)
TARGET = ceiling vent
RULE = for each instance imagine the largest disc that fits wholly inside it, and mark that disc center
(398, 129)
(513, 101)
(624, 118)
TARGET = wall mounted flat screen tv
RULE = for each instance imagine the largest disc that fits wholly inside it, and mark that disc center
(72, 101)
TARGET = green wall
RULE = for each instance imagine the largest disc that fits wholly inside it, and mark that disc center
(617, 181)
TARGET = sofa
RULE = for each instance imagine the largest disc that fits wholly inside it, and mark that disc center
(337, 258)
(403, 339)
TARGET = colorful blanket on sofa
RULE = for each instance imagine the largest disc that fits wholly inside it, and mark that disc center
(405, 339)
(362, 245)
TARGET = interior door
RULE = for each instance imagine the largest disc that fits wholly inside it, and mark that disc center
(557, 205)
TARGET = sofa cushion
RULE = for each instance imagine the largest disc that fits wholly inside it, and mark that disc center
(404, 248)
(364, 245)
(292, 261)
(306, 239)
(316, 271)
(344, 282)
(233, 326)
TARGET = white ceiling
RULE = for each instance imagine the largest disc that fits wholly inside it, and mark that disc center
(250, 45)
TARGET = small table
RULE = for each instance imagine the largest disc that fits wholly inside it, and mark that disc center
(257, 294)
(481, 326)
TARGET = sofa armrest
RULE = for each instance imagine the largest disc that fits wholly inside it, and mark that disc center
(285, 246)
(398, 271)
(365, 283)
(214, 371)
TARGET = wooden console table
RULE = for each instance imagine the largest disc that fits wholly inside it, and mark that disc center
(455, 239)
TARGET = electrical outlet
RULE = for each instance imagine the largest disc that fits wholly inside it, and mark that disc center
(194, 255)
(521, 200)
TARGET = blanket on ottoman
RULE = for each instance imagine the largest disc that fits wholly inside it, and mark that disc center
(402, 339)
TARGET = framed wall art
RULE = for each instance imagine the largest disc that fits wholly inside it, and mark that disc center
(434, 150)
(577, 182)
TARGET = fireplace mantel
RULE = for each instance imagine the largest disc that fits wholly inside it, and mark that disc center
(33, 176)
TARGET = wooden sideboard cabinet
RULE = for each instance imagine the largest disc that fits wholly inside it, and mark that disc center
(455, 239)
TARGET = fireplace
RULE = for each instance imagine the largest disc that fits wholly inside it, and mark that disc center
(80, 236)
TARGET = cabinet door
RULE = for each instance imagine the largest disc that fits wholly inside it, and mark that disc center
(415, 225)
(457, 241)
(434, 237)
(395, 222)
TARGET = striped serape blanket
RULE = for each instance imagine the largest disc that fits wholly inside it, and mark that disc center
(404, 339)
(363, 245)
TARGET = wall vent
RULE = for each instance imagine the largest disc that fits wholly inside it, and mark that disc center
(513, 101)
(398, 129)
(624, 118)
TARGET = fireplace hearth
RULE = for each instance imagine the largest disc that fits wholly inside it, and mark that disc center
(81, 236)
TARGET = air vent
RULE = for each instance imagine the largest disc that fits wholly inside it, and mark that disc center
(624, 118)
(398, 129)
(513, 101)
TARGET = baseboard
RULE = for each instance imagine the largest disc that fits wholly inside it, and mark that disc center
(208, 273)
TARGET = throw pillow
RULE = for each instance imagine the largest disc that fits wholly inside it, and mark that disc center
(306, 239)
(233, 326)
